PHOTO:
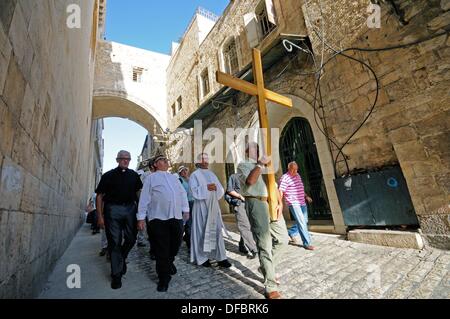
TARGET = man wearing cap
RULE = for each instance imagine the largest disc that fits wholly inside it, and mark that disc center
(183, 173)
(206, 237)
(118, 191)
(164, 202)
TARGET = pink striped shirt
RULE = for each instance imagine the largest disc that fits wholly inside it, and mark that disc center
(293, 189)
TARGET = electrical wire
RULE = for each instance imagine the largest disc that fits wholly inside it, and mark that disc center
(318, 72)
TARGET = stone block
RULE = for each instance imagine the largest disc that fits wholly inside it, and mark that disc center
(13, 237)
(438, 224)
(438, 145)
(7, 13)
(410, 152)
(393, 120)
(445, 5)
(6, 129)
(14, 90)
(11, 185)
(26, 115)
(434, 204)
(435, 124)
(390, 78)
(440, 22)
(21, 149)
(28, 7)
(5, 55)
(390, 238)
(402, 135)
(30, 194)
(3, 244)
(20, 41)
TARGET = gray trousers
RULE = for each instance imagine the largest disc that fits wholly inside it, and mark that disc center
(243, 225)
(271, 239)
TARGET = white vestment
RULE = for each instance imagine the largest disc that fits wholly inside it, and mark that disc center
(206, 230)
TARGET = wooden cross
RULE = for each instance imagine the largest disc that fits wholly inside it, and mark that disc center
(257, 89)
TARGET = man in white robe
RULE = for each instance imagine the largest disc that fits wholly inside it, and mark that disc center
(206, 232)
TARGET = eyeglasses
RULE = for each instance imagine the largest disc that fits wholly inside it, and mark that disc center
(124, 159)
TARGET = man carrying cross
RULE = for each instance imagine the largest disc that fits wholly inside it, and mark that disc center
(271, 236)
(263, 202)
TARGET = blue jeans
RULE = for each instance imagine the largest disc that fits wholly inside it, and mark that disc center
(300, 214)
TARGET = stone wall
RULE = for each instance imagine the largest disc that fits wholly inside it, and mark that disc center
(46, 79)
(411, 121)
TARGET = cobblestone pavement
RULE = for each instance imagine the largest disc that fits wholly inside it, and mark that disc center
(336, 269)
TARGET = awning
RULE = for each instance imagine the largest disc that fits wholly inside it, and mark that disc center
(270, 56)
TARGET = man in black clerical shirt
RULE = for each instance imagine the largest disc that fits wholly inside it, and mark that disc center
(118, 190)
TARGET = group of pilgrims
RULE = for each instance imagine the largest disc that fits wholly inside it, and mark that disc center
(174, 207)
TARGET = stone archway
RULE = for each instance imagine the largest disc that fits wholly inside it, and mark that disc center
(279, 118)
(119, 105)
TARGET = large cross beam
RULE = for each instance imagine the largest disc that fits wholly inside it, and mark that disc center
(257, 89)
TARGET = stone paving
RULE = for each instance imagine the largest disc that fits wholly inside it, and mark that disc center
(336, 269)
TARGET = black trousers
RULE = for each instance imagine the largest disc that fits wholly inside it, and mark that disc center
(120, 225)
(166, 236)
(188, 226)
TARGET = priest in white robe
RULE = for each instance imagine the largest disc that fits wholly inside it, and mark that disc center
(206, 232)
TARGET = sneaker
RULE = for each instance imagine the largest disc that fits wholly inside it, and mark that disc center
(309, 247)
(224, 263)
(116, 283)
(206, 264)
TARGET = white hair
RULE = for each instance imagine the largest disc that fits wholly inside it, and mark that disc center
(122, 152)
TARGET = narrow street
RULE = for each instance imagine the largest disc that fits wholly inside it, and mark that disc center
(337, 269)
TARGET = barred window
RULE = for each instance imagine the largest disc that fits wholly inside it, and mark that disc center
(266, 22)
(204, 82)
(230, 57)
(137, 74)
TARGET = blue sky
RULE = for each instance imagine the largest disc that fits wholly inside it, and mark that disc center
(150, 25)
(153, 24)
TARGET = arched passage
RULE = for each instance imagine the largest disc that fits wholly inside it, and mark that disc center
(118, 105)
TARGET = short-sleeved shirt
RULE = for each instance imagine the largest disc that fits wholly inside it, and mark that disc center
(257, 189)
(293, 189)
(234, 184)
(119, 186)
(185, 184)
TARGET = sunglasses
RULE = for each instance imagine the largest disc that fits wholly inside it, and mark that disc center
(124, 159)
